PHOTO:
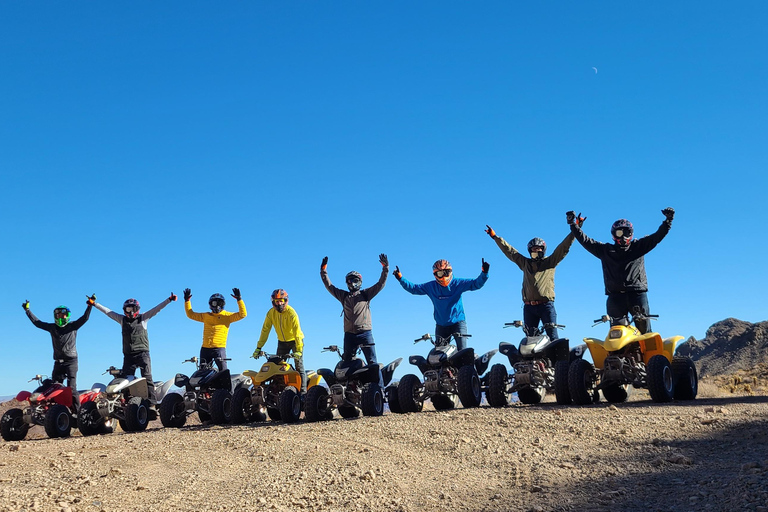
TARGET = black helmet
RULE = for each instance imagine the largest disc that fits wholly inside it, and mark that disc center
(537, 242)
(216, 302)
(131, 308)
(622, 232)
(354, 281)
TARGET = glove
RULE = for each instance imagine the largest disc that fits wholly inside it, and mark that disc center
(486, 266)
(324, 264)
(383, 260)
(490, 231)
(91, 300)
(398, 275)
(257, 353)
(570, 217)
(25, 305)
(236, 294)
(580, 220)
(187, 294)
(296, 355)
(669, 213)
(173, 297)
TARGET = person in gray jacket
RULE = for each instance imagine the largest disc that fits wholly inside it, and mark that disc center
(136, 338)
(357, 310)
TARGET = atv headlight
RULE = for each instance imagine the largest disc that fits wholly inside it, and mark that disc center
(614, 334)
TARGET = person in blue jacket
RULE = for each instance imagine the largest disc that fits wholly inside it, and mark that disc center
(445, 293)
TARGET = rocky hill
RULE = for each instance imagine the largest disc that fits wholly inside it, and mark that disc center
(729, 345)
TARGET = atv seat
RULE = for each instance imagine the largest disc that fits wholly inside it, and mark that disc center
(529, 343)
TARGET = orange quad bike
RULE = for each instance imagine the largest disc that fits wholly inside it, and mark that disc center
(628, 359)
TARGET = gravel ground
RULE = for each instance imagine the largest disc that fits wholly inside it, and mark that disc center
(709, 454)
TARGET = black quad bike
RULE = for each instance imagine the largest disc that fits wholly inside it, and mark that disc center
(449, 374)
(539, 366)
(207, 391)
(352, 387)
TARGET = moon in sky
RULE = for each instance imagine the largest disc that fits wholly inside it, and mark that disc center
(595, 69)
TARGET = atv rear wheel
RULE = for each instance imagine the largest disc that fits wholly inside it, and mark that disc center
(562, 393)
(392, 399)
(173, 411)
(273, 413)
(243, 408)
(136, 415)
(316, 405)
(531, 395)
(661, 384)
(616, 393)
(372, 401)
(409, 393)
(581, 381)
(12, 425)
(89, 421)
(443, 402)
(686, 378)
(498, 379)
(468, 384)
(221, 406)
(290, 405)
(58, 421)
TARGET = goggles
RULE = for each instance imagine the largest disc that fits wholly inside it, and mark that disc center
(443, 273)
(353, 280)
(621, 233)
(279, 301)
(129, 310)
(537, 248)
(60, 313)
(217, 303)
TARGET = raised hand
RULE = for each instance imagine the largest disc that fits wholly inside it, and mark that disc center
(173, 297)
(580, 220)
(236, 293)
(91, 300)
(324, 264)
(669, 213)
(383, 260)
(490, 231)
(570, 217)
(25, 305)
(486, 266)
(398, 275)
(187, 294)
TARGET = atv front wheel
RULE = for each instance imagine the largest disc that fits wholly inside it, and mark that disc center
(316, 405)
(581, 381)
(58, 421)
(136, 415)
(686, 378)
(468, 384)
(661, 384)
(616, 393)
(372, 401)
(498, 379)
(443, 402)
(273, 413)
(562, 393)
(531, 395)
(173, 411)
(221, 406)
(409, 393)
(290, 405)
(243, 408)
(12, 425)
(89, 421)
(392, 399)
(349, 411)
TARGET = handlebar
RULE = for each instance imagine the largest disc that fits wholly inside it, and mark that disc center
(192, 359)
(330, 348)
(38, 377)
(112, 371)
(441, 338)
(636, 316)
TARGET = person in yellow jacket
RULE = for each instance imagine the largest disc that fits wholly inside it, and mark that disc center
(215, 325)
(285, 320)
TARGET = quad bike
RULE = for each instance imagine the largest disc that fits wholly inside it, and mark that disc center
(50, 405)
(539, 366)
(449, 374)
(207, 391)
(275, 392)
(353, 387)
(126, 399)
(628, 358)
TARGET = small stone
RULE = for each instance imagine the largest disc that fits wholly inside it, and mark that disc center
(558, 412)
(13, 448)
(679, 458)
(261, 501)
(613, 408)
(709, 409)
(750, 465)
(536, 488)
(723, 410)
(709, 421)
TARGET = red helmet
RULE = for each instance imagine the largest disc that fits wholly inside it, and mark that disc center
(443, 272)
(279, 299)
(131, 308)
(622, 232)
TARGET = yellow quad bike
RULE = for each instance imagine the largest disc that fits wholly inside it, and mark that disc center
(628, 358)
(275, 392)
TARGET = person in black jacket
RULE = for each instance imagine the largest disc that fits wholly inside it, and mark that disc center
(64, 339)
(626, 284)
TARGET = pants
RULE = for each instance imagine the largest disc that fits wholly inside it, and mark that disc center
(214, 355)
(352, 341)
(544, 313)
(67, 369)
(445, 331)
(286, 347)
(621, 304)
(141, 361)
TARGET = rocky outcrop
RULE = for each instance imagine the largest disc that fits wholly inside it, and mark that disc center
(728, 346)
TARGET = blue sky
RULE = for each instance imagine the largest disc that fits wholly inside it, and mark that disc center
(150, 147)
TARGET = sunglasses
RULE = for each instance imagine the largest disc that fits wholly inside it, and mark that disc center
(443, 273)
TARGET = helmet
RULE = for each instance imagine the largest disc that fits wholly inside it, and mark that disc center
(216, 302)
(354, 281)
(279, 299)
(61, 315)
(622, 232)
(131, 308)
(443, 272)
(537, 242)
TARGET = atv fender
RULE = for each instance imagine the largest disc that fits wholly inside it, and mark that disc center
(577, 352)
(313, 379)
(511, 352)
(138, 387)
(240, 380)
(328, 375)
(181, 380)
(389, 370)
(23, 396)
(98, 386)
(161, 389)
(222, 380)
(597, 351)
(420, 362)
(481, 362)
(463, 357)
(367, 374)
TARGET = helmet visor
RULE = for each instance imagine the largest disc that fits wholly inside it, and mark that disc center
(129, 310)
(60, 313)
(443, 273)
(216, 303)
(279, 301)
(622, 233)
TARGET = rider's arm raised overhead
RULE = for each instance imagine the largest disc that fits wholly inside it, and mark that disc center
(117, 317)
(374, 290)
(415, 289)
(592, 246)
(338, 293)
(510, 252)
(241, 312)
(197, 317)
(469, 285)
(39, 323)
(155, 310)
(644, 245)
(561, 250)
(81, 321)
